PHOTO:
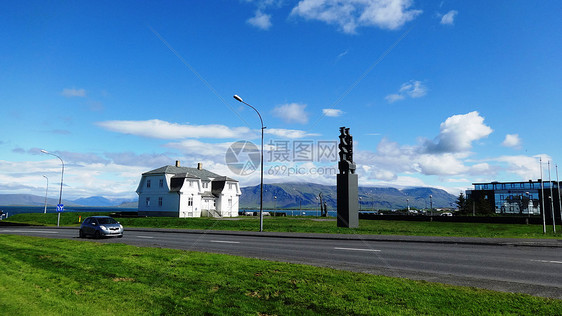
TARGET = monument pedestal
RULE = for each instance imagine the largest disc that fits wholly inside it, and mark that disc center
(348, 204)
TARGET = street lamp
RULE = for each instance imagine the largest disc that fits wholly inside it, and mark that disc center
(431, 204)
(528, 203)
(46, 190)
(408, 204)
(239, 99)
(559, 194)
(61, 178)
(360, 200)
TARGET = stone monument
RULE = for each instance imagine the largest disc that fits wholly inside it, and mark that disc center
(348, 191)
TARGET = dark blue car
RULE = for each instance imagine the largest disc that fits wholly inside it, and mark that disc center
(100, 226)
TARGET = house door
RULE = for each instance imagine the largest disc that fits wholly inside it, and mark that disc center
(190, 206)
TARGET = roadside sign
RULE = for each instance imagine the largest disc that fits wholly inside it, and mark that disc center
(60, 207)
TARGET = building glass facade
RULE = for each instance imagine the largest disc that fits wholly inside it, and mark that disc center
(523, 198)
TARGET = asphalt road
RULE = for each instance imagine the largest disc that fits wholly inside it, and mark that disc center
(522, 269)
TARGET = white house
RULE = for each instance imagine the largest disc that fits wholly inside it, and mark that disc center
(187, 192)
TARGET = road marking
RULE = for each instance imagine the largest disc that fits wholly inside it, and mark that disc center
(357, 249)
(148, 237)
(226, 241)
(547, 261)
(29, 231)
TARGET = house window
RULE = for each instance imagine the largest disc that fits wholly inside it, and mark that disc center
(205, 185)
(190, 201)
(147, 201)
(160, 201)
(191, 184)
(231, 186)
(161, 183)
(148, 183)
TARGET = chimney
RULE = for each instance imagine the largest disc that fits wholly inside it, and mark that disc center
(177, 163)
(200, 166)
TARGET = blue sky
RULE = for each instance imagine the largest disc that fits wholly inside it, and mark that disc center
(442, 93)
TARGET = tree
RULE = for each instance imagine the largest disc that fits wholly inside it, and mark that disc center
(462, 205)
(484, 207)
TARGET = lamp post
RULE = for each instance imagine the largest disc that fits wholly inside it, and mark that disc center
(360, 201)
(528, 204)
(542, 199)
(46, 190)
(431, 204)
(559, 194)
(408, 204)
(239, 99)
(551, 197)
(61, 179)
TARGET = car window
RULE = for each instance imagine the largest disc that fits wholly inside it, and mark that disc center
(106, 220)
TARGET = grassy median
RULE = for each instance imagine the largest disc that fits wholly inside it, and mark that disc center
(311, 225)
(56, 277)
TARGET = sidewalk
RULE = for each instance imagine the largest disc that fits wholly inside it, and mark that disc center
(526, 242)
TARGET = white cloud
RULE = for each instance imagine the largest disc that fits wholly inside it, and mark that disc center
(447, 156)
(260, 20)
(351, 14)
(332, 112)
(415, 89)
(166, 130)
(288, 133)
(449, 18)
(458, 132)
(391, 98)
(80, 179)
(524, 166)
(441, 164)
(412, 89)
(291, 113)
(342, 54)
(512, 140)
(69, 93)
(194, 147)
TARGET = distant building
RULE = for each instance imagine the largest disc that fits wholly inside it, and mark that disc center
(187, 192)
(523, 198)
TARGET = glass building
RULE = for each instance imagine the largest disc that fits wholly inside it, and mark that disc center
(522, 198)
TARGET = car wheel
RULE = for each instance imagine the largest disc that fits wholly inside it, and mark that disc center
(120, 236)
(81, 234)
(97, 235)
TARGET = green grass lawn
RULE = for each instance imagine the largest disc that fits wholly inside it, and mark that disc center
(57, 277)
(312, 225)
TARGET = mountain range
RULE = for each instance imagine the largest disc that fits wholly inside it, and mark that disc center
(35, 200)
(304, 195)
(280, 196)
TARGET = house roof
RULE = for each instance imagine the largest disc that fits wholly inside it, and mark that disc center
(185, 172)
(208, 194)
(224, 178)
(176, 184)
